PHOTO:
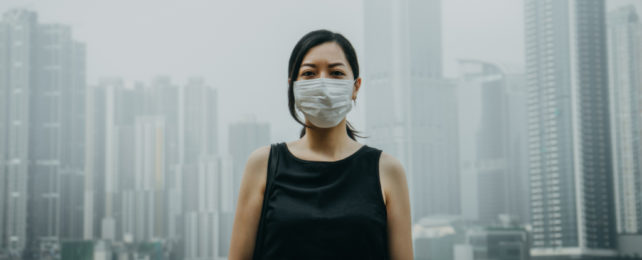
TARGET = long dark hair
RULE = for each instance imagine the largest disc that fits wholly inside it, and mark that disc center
(307, 42)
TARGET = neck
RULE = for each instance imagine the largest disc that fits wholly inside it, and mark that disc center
(330, 140)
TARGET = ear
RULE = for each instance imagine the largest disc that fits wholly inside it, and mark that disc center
(289, 81)
(357, 85)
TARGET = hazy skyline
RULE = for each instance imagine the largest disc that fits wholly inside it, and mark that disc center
(236, 45)
(526, 110)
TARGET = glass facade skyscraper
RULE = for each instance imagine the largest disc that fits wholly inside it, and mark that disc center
(572, 209)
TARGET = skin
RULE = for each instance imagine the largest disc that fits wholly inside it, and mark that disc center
(323, 144)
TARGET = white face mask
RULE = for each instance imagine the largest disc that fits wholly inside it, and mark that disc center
(324, 101)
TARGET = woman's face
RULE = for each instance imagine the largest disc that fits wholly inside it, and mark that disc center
(327, 60)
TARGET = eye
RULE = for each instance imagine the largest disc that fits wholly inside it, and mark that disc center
(338, 73)
(307, 73)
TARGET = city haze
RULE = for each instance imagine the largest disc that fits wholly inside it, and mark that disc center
(125, 126)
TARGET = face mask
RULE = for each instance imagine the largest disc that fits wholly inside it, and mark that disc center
(324, 101)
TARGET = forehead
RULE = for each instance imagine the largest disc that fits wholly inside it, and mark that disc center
(326, 52)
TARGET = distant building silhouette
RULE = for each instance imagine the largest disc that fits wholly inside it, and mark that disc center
(502, 241)
(411, 109)
(625, 70)
(42, 89)
(572, 209)
(500, 162)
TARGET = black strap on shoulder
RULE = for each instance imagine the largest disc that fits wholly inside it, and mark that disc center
(271, 171)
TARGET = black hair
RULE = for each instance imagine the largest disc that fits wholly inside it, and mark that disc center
(307, 42)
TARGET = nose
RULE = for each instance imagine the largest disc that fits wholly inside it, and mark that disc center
(323, 74)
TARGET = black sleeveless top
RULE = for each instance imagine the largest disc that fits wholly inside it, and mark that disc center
(321, 209)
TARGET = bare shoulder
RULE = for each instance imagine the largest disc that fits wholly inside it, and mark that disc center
(256, 168)
(258, 160)
(392, 176)
(259, 156)
(390, 167)
(393, 179)
(250, 200)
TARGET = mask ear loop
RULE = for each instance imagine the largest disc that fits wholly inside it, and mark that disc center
(354, 101)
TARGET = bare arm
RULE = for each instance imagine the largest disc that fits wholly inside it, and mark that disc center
(398, 207)
(250, 202)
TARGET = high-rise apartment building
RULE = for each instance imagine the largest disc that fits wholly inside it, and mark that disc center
(572, 209)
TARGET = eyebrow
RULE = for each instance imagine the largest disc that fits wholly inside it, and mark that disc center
(331, 65)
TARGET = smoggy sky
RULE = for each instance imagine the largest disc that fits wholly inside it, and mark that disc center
(242, 47)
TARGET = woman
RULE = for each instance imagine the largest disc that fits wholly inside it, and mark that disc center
(330, 197)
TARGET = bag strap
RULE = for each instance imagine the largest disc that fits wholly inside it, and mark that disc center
(271, 172)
